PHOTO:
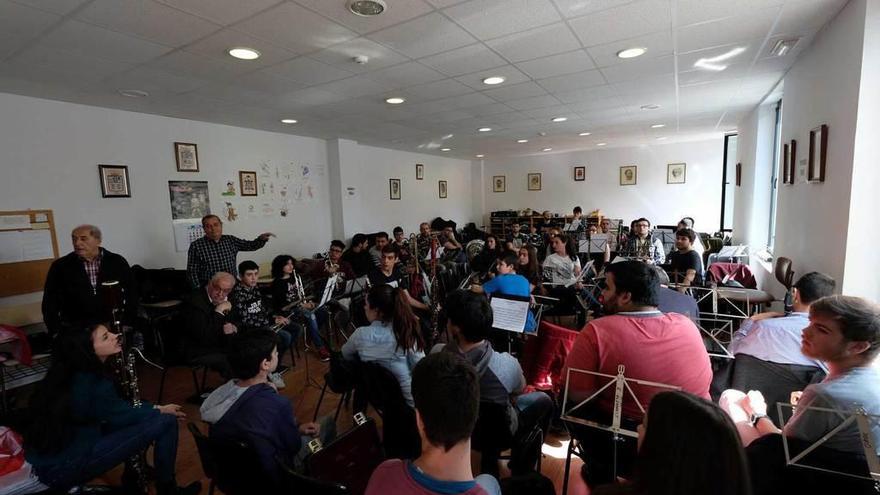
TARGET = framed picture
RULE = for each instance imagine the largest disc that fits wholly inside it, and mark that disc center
(534, 182)
(580, 173)
(499, 183)
(739, 174)
(818, 152)
(394, 188)
(114, 181)
(628, 175)
(676, 173)
(187, 156)
(247, 182)
(420, 171)
(442, 189)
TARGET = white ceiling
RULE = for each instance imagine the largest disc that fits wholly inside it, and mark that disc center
(558, 57)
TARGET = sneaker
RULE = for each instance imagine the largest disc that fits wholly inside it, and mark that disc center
(323, 355)
(276, 380)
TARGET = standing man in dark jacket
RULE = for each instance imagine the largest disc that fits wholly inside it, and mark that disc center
(73, 295)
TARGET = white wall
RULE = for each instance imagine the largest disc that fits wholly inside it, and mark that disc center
(755, 153)
(652, 197)
(368, 169)
(49, 156)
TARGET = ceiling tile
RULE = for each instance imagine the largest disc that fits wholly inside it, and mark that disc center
(468, 101)
(88, 40)
(657, 44)
(586, 94)
(266, 82)
(407, 74)
(62, 7)
(444, 3)
(232, 93)
(803, 16)
(511, 74)
(154, 81)
(490, 110)
(464, 60)
(577, 8)
(308, 71)
(424, 36)
(218, 44)
(437, 89)
(557, 65)
(570, 82)
(315, 96)
(626, 21)
(395, 13)
(533, 102)
(149, 20)
(341, 55)
(539, 42)
(19, 25)
(638, 68)
(223, 12)
(295, 28)
(354, 87)
(487, 19)
(516, 91)
(546, 113)
(199, 66)
(753, 25)
(695, 11)
(70, 65)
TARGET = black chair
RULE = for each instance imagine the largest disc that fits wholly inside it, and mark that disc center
(232, 466)
(492, 435)
(299, 483)
(380, 389)
(340, 379)
(172, 349)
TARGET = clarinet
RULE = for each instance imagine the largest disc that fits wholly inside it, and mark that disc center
(435, 310)
(124, 369)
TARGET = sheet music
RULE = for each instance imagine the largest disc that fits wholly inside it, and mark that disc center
(328, 289)
(28, 245)
(509, 314)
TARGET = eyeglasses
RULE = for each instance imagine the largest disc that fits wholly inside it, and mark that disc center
(335, 250)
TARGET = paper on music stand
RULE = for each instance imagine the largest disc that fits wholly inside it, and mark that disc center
(597, 244)
(509, 313)
(328, 289)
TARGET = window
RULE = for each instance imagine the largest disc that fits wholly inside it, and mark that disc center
(728, 182)
(777, 136)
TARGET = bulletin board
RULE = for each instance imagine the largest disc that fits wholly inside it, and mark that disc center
(28, 246)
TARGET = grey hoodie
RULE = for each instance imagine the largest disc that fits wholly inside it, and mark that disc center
(220, 400)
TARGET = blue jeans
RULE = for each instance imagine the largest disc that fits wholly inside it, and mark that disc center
(115, 448)
(312, 318)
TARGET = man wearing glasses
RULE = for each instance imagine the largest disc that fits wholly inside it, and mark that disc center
(643, 246)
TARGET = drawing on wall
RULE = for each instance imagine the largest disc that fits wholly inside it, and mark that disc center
(628, 175)
(230, 189)
(676, 173)
(229, 212)
(189, 199)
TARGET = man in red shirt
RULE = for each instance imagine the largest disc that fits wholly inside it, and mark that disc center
(653, 346)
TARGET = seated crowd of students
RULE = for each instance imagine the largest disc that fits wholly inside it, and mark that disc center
(687, 442)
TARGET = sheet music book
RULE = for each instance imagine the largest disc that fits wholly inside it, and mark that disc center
(509, 312)
(328, 290)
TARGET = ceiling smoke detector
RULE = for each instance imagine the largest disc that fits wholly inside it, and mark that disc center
(366, 8)
(360, 59)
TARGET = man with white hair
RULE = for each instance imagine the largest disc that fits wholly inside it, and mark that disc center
(73, 295)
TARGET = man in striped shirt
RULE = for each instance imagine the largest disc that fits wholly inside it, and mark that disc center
(216, 252)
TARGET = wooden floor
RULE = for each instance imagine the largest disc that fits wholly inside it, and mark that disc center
(304, 396)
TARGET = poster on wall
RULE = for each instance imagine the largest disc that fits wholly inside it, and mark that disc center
(189, 199)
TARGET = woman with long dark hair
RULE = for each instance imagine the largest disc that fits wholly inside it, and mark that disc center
(686, 445)
(527, 266)
(485, 261)
(392, 338)
(80, 427)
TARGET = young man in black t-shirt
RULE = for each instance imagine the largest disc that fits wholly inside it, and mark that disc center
(685, 265)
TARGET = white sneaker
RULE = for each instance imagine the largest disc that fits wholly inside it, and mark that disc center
(276, 380)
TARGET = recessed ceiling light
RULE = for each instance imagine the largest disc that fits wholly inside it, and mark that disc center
(658, 126)
(395, 100)
(445, 149)
(366, 8)
(289, 121)
(491, 81)
(522, 141)
(547, 149)
(133, 93)
(480, 156)
(783, 46)
(712, 63)
(601, 144)
(631, 52)
(484, 129)
(558, 119)
(585, 134)
(448, 136)
(650, 107)
(661, 138)
(244, 53)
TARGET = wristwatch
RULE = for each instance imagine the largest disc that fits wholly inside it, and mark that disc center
(754, 417)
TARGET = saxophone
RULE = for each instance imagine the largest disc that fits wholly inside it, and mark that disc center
(124, 368)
